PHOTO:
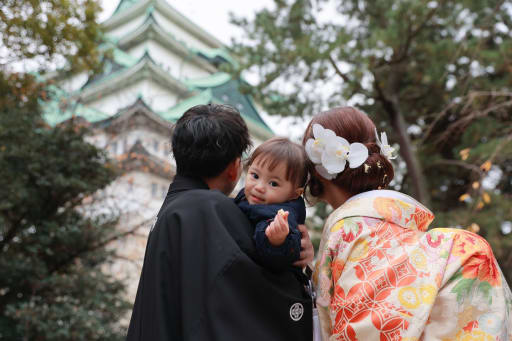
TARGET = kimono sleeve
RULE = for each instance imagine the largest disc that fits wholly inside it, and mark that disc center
(475, 301)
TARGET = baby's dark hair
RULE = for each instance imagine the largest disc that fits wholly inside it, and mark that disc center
(355, 126)
(280, 149)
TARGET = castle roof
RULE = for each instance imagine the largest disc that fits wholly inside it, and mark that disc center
(129, 9)
(122, 70)
(139, 159)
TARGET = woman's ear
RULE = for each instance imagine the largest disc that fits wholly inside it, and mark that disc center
(299, 191)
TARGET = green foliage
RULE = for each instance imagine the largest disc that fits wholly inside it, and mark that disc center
(51, 251)
(44, 30)
(442, 67)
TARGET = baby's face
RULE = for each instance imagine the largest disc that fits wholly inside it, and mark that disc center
(265, 186)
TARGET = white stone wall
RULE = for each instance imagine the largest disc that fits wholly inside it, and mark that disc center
(154, 94)
(138, 196)
(74, 83)
(178, 32)
(155, 143)
(158, 97)
(177, 66)
(127, 27)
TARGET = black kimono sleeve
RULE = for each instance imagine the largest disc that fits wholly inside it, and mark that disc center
(199, 282)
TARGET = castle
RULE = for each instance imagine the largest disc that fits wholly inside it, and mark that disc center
(161, 64)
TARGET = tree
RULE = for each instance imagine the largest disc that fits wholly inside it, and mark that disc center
(51, 31)
(433, 74)
(52, 286)
(52, 249)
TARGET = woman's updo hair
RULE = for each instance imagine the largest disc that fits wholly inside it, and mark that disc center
(354, 126)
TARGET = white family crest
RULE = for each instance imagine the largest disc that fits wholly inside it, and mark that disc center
(296, 311)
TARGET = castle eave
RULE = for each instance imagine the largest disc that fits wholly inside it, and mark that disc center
(145, 69)
(138, 8)
(152, 30)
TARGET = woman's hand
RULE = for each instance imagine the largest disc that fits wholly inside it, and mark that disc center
(308, 253)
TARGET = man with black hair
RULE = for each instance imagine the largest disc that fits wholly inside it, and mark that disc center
(200, 279)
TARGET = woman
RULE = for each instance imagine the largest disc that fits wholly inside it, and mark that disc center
(380, 274)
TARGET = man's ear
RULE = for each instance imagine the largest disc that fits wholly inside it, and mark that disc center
(233, 169)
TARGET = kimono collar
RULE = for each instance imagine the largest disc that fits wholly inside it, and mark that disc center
(390, 206)
(182, 183)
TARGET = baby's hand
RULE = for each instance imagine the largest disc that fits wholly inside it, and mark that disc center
(277, 231)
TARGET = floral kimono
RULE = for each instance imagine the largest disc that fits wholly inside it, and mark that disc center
(382, 276)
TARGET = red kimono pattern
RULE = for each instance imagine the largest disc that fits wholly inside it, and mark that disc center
(382, 276)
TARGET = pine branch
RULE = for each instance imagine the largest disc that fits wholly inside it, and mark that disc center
(97, 246)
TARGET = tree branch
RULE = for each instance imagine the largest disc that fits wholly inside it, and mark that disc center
(391, 106)
(412, 35)
(475, 169)
(97, 246)
(338, 71)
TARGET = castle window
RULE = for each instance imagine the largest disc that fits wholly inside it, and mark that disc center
(156, 144)
(114, 147)
(154, 189)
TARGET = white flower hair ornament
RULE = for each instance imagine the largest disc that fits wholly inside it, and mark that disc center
(330, 153)
(385, 148)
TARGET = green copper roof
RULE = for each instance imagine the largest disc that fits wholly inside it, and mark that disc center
(216, 56)
(124, 4)
(216, 88)
(175, 112)
(227, 91)
(123, 58)
(117, 70)
(208, 96)
(209, 81)
(62, 107)
(213, 56)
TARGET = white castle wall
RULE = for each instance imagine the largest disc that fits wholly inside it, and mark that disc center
(127, 27)
(177, 66)
(74, 83)
(154, 94)
(179, 32)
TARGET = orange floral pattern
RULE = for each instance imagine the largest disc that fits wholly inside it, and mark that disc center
(380, 275)
(484, 268)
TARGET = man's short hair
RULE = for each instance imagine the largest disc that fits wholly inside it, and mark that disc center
(207, 138)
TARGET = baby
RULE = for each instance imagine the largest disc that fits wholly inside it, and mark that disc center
(272, 201)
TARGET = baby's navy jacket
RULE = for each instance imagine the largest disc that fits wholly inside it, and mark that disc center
(275, 257)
